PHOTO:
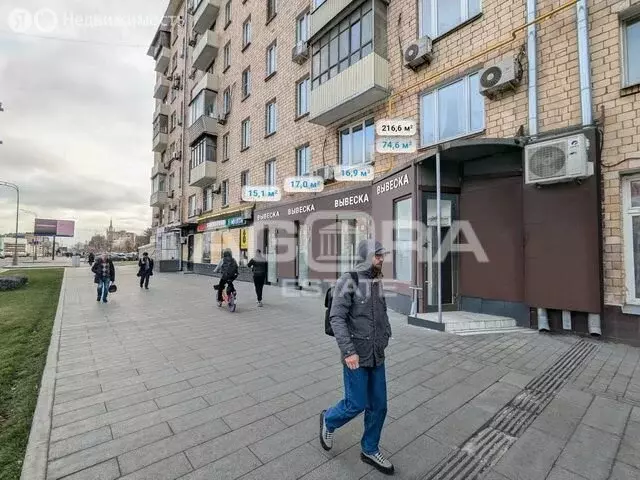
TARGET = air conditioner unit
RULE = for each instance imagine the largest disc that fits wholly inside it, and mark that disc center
(300, 52)
(222, 118)
(170, 194)
(176, 82)
(418, 53)
(215, 188)
(175, 156)
(325, 172)
(192, 74)
(193, 39)
(504, 75)
(170, 78)
(556, 161)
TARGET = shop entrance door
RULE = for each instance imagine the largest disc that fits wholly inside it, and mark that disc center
(302, 252)
(449, 259)
(352, 232)
(190, 244)
(271, 247)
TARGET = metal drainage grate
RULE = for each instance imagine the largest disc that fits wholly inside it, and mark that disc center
(491, 442)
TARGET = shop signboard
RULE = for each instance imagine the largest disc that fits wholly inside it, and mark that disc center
(235, 221)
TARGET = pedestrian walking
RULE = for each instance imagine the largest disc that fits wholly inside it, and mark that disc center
(105, 275)
(92, 258)
(145, 270)
(259, 266)
(361, 327)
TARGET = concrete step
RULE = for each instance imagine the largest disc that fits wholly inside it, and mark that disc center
(499, 322)
(498, 331)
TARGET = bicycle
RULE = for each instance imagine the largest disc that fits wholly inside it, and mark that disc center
(230, 300)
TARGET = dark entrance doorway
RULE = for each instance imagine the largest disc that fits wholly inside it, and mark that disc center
(190, 241)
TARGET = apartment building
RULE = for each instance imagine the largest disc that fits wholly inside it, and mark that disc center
(504, 95)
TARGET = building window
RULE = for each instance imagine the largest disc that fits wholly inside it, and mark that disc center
(227, 14)
(172, 180)
(172, 122)
(224, 190)
(272, 55)
(303, 160)
(272, 9)
(207, 203)
(402, 234)
(174, 60)
(317, 3)
(192, 206)
(246, 33)
(225, 147)
(631, 223)
(227, 56)
(246, 83)
(203, 151)
(344, 45)
(302, 28)
(452, 111)
(203, 104)
(437, 17)
(271, 112)
(302, 97)
(357, 143)
(631, 48)
(244, 178)
(270, 172)
(226, 101)
(246, 134)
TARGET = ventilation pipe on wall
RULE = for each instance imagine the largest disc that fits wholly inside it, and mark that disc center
(543, 320)
(594, 325)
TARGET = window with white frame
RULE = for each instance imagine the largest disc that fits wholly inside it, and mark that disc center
(227, 14)
(270, 172)
(302, 28)
(226, 100)
(270, 118)
(203, 151)
(246, 32)
(244, 178)
(302, 97)
(192, 205)
(317, 3)
(452, 111)
(225, 147)
(402, 232)
(246, 134)
(227, 55)
(631, 49)
(224, 190)
(631, 224)
(357, 143)
(437, 17)
(272, 57)
(207, 199)
(246, 82)
(272, 9)
(303, 160)
(203, 104)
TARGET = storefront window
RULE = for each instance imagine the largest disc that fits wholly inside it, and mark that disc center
(206, 248)
(402, 265)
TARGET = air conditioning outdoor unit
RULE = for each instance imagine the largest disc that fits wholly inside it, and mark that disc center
(215, 188)
(418, 53)
(176, 82)
(325, 172)
(300, 53)
(192, 74)
(557, 161)
(222, 118)
(504, 75)
(193, 39)
(170, 195)
(176, 155)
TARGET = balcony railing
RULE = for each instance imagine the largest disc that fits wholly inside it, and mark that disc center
(206, 50)
(324, 13)
(204, 174)
(359, 86)
(158, 199)
(162, 88)
(162, 109)
(209, 81)
(205, 15)
(158, 169)
(160, 142)
(162, 60)
(205, 125)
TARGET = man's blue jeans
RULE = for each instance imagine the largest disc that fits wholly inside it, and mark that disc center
(103, 288)
(365, 389)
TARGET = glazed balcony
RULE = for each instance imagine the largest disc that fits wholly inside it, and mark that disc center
(205, 125)
(324, 13)
(158, 199)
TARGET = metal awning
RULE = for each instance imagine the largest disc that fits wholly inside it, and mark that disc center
(468, 150)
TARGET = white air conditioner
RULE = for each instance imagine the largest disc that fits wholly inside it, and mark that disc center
(192, 75)
(325, 172)
(504, 75)
(418, 53)
(176, 82)
(300, 52)
(215, 188)
(222, 118)
(193, 39)
(556, 161)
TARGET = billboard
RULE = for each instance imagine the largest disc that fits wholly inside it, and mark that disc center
(51, 228)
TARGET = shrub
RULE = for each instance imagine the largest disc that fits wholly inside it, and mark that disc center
(12, 283)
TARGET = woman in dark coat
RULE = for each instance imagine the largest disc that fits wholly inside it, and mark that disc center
(145, 265)
(105, 275)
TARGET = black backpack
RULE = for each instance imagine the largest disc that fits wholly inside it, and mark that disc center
(232, 270)
(328, 300)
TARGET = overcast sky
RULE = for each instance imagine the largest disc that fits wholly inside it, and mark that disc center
(76, 125)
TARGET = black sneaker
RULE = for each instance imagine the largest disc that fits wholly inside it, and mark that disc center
(379, 462)
(98, 299)
(326, 437)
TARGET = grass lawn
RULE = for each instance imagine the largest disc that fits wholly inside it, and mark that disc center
(26, 318)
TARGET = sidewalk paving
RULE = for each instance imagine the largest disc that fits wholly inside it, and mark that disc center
(162, 384)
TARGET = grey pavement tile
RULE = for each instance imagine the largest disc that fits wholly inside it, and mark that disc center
(590, 452)
(559, 473)
(495, 397)
(289, 466)
(629, 452)
(191, 420)
(493, 475)
(487, 376)
(531, 457)
(128, 400)
(287, 373)
(103, 471)
(471, 365)
(77, 394)
(247, 377)
(77, 415)
(282, 388)
(134, 424)
(286, 440)
(167, 469)
(261, 410)
(228, 468)
(194, 392)
(210, 451)
(560, 418)
(406, 429)
(635, 414)
(446, 379)
(92, 423)
(239, 390)
(577, 397)
(452, 399)
(624, 472)
(321, 387)
(99, 398)
(216, 375)
(608, 415)
(516, 379)
(460, 425)
(345, 466)
(79, 442)
(309, 408)
(161, 380)
(99, 453)
(405, 402)
(405, 382)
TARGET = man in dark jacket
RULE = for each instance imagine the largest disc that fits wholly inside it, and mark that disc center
(145, 270)
(361, 328)
(92, 258)
(228, 267)
(259, 266)
(105, 275)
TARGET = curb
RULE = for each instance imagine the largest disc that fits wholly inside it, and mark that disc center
(34, 466)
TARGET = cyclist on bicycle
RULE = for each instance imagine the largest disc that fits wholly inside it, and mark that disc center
(229, 269)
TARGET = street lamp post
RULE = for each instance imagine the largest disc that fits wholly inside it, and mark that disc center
(15, 248)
